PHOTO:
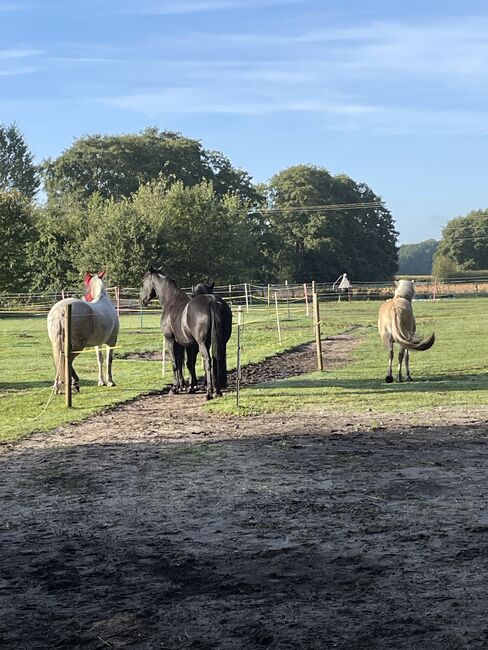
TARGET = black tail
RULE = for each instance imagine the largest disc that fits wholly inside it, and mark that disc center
(218, 352)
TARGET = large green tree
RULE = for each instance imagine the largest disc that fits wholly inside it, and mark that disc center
(465, 241)
(115, 166)
(17, 168)
(16, 228)
(188, 232)
(323, 233)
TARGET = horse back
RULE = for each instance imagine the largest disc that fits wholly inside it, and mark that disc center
(398, 309)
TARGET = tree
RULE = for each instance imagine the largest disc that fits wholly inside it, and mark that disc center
(60, 227)
(443, 266)
(465, 239)
(115, 166)
(17, 169)
(416, 259)
(320, 242)
(17, 230)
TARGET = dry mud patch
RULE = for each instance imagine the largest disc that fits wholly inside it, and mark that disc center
(158, 526)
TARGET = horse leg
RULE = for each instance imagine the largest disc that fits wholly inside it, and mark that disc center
(98, 352)
(208, 368)
(75, 380)
(58, 358)
(389, 372)
(401, 354)
(407, 366)
(109, 351)
(191, 359)
(174, 351)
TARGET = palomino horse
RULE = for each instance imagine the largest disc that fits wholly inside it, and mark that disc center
(94, 322)
(396, 324)
(194, 324)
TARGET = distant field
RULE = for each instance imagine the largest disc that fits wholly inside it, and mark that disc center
(453, 373)
(27, 372)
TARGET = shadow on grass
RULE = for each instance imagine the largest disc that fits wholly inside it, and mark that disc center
(24, 385)
(427, 383)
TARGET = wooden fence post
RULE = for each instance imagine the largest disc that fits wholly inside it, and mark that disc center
(288, 299)
(238, 365)
(246, 295)
(277, 316)
(316, 318)
(269, 294)
(117, 300)
(68, 394)
(305, 294)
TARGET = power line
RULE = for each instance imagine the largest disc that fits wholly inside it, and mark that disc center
(322, 208)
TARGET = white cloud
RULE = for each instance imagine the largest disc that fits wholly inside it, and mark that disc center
(199, 6)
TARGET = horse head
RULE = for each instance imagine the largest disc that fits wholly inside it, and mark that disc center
(148, 290)
(405, 289)
(203, 288)
(93, 285)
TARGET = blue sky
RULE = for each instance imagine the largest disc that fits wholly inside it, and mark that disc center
(391, 93)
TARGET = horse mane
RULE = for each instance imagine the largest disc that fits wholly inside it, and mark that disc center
(405, 289)
(167, 290)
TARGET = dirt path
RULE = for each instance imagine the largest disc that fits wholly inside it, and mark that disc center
(153, 526)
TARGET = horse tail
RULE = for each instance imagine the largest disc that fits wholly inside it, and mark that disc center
(408, 339)
(219, 363)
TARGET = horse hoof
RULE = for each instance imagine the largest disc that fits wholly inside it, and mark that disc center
(389, 379)
(111, 383)
(209, 397)
(76, 388)
(409, 379)
(173, 391)
(101, 383)
(191, 390)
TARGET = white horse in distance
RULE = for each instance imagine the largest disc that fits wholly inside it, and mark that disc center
(94, 322)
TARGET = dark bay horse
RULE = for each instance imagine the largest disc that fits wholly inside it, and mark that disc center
(191, 324)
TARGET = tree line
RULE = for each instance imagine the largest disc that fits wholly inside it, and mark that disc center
(122, 202)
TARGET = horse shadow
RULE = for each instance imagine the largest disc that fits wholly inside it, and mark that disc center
(424, 384)
(24, 385)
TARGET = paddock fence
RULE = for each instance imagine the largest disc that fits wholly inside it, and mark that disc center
(249, 294)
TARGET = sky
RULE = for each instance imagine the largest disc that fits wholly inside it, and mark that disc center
(391, 93)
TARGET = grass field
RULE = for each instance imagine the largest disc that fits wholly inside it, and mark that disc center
(27, 372)
(453, 372)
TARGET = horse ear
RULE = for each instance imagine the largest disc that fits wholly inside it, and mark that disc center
(101, 274)
(88, 277)
(396, 283)
(212, 286)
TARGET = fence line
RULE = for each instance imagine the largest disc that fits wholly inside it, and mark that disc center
(249, 294)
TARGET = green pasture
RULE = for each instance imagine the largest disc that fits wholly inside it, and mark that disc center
(27, 372)
(453, 373)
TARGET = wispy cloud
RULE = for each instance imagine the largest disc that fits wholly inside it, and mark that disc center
(19, 54)
(8, 7)
(200, 6)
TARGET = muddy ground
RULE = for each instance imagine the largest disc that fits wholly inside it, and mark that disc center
(156, 525)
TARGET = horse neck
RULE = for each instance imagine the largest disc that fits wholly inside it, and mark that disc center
(99, 292)
(168, 292)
